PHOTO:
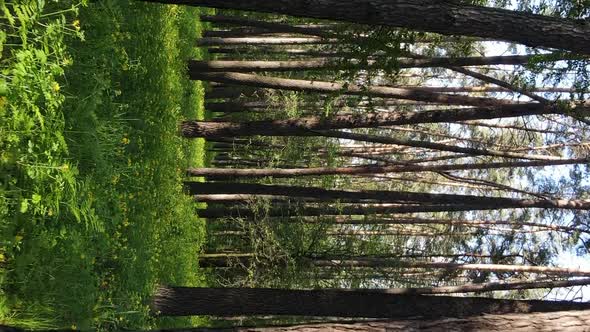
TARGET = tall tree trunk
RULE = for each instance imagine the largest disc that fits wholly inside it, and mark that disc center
(444, 17)
(233, 173)
(196, 188)
(331, 64)
(398, 220)
(569, 321)
(565, 321)
(307, 126)
(286, 211)
(383, 262)
(344, 88)
(185, 301)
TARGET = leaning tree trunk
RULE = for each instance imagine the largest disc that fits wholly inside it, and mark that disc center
(444, 17)
(433, 145)
(185, 301)
(259, 81)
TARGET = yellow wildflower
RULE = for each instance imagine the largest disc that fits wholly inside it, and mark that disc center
(55, 86)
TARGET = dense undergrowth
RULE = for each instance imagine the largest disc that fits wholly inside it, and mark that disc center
(92, 213)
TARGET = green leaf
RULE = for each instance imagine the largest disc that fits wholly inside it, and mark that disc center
(7, 14)
(36, 199)
(24, 206)
(3, 87)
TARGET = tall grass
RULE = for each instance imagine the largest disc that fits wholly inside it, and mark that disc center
(92, 213)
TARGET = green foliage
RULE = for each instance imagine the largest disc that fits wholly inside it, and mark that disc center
(92, 212)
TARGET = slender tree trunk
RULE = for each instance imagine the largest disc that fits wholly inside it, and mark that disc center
(270, 51)
(399, 220)
(383, 263)
(331, 64)
(238, 33)
(308, 126)
(287, 211)
(348, 89)
(184, 301)
(448, 18)
(493, 89)
(434, 146)
(196, 188)
(208, 42)
(310, 30)
(234, 173)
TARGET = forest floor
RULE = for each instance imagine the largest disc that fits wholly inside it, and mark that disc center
(92, 211)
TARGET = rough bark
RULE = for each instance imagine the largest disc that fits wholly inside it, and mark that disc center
(308, 126)
(185, 301)
(538, 322)
(565, 321)
(444, 17)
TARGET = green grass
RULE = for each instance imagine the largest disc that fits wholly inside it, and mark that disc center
(92, 213)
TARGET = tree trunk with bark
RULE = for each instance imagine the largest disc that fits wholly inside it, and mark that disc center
(331, 64)
(308, 126)
(565, 321)
(349, 210)
(259, 81)
(185, 301)
(404, 197)
(247, 41)
(235, 173)
(384, 263)
(444, 17)
(310, 30)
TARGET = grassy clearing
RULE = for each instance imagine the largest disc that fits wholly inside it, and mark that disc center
(92, 215)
